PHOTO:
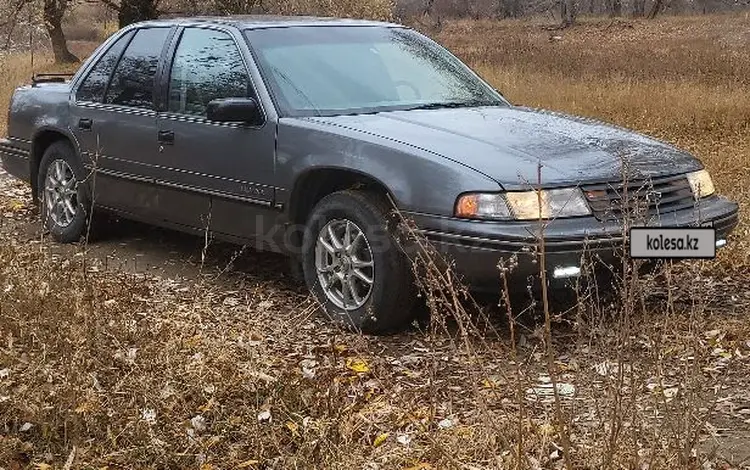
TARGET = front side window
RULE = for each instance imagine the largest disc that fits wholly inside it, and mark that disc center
(93, 87)
(132, 83)
(207, 65)
(320, 71)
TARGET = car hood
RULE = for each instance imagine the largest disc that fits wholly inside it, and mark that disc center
(507, 144)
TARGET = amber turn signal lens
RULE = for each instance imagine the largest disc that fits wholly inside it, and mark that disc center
(467, 205)
(490, 206)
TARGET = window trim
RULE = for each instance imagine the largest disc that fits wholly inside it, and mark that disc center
(94, 60)
(159, 65)
(112, 73)
(162, 107)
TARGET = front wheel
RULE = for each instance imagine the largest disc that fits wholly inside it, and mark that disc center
(354, 266)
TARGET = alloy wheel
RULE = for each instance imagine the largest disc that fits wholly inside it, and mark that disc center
(61, 193)
(345, 264)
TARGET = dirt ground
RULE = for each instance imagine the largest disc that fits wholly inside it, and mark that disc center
(166, 256)
(179, 351)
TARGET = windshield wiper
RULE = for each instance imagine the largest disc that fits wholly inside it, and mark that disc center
(453, 104)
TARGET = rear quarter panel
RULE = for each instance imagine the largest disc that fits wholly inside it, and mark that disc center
(37, 108)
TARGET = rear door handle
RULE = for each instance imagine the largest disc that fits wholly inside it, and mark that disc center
(85, 124)
(166, 137)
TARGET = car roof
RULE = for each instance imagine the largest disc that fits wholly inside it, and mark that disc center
(265, 21)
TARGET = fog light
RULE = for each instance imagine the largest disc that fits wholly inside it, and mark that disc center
(566, 271)
(720, 242)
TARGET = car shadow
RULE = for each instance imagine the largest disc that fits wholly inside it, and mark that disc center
(145, 248)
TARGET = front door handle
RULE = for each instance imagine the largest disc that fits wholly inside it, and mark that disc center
(166, 137)
(85, 124)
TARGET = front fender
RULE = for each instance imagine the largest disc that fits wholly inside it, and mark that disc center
(417, 180)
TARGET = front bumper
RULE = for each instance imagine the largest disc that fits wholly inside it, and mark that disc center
(15, 157)
(477, 247)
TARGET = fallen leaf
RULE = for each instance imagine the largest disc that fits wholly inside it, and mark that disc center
(213, 441)
(84, 407)
(445, 423)
(206, 406)
(292, 427)
(380, 439)
(546, 429)
(198, 422)
(264, 416)
(357, 365)
(248, 463)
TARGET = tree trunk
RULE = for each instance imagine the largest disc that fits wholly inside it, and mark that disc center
(567, 13)
(639, 8)
(133, 11)
(54, 10)
(655, 9)
(507, 9)
(615, 8)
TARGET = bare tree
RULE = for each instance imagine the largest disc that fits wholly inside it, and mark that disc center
(639, 8)
(132, 11)
(614, 7)
(54, 10)
(567, 13)
(655, 9)
(237, 7)
(508, 9)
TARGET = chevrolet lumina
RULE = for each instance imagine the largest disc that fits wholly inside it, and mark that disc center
(298, 135)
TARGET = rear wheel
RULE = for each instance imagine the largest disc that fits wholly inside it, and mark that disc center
(65, 204)
(354, 266)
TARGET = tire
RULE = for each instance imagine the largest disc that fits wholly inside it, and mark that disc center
(387, 304)
(61, 176)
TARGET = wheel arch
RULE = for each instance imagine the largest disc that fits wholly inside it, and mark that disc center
(316, 183)
(41, 141)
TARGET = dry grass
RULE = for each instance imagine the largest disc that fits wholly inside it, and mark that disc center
(134, 371)
(15, 69)
(104, 369)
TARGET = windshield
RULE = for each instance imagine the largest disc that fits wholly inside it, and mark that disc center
(330, 70)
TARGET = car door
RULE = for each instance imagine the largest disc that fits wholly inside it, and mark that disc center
(229, 165)
(114, 120)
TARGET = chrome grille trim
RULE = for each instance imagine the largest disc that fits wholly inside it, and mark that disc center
(654, 196)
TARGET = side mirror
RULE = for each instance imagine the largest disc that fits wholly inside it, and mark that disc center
(234, 110)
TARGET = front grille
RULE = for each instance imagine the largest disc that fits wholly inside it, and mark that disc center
(643, 197)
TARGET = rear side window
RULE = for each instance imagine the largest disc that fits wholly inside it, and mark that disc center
(207, 65)
(133, 81)
(93, 87)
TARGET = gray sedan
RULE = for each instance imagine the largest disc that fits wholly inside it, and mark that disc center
(299, 135)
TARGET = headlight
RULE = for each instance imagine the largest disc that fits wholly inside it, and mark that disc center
(523, 205)
(701, 183)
